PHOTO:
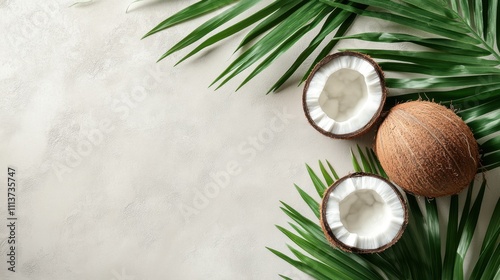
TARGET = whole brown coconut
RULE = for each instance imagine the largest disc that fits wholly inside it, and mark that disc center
(427, 149)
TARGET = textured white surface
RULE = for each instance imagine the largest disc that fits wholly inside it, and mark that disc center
(112, 148)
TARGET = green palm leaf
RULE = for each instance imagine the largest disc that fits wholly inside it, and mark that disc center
(287, 28)
(418, 253)
(193, 11)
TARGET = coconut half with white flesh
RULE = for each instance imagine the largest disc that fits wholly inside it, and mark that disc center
(363, 213)
(344, 95)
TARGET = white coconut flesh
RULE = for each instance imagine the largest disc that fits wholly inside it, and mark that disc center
(364, 212)
(344, 95)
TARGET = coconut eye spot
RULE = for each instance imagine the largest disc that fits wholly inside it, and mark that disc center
(344, 94)
(364, 213)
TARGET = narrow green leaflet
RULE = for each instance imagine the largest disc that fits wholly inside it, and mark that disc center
(490, 21)
(490, 161)
(442, 82)
(439, 44)
(210, 25)
(480, 109)
(309, 200)
(485, 126)
(487, 253)
(381, 171)
(478, 17)
(435, 28)
(440, 70)
(332, 170)
(329, 47)
(233, 29)
(451, 240)
(196, 10)
(461, 99)
(299, 265)
(427, 58)
(433, 6)
(286, 9)
(418, 13)
(271, 40)
(492, 270)
(355, 163)
(318, 184)
(468, 232)
(287, 44)
(434, 238)
(465, 10)
(492, 233)
(336, 18)
(367, 167)
(328, 179)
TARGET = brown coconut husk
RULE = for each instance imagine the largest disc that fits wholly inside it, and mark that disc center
(426, 149)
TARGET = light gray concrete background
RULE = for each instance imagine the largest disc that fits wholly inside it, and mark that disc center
(117, 156)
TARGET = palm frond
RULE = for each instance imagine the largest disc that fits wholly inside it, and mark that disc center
(207, 27)
(269, 42)
(196, 10)
(418, 253)
(233, 29)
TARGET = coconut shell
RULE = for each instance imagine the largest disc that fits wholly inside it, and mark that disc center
(427, 149)
(334, 241)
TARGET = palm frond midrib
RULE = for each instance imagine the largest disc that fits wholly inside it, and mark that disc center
(472, 28)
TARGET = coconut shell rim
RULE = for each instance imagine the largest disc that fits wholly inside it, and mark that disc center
(337, 243)
(327, 59)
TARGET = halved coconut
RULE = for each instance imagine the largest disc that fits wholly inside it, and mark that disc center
(363, 213)
(344, 95)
